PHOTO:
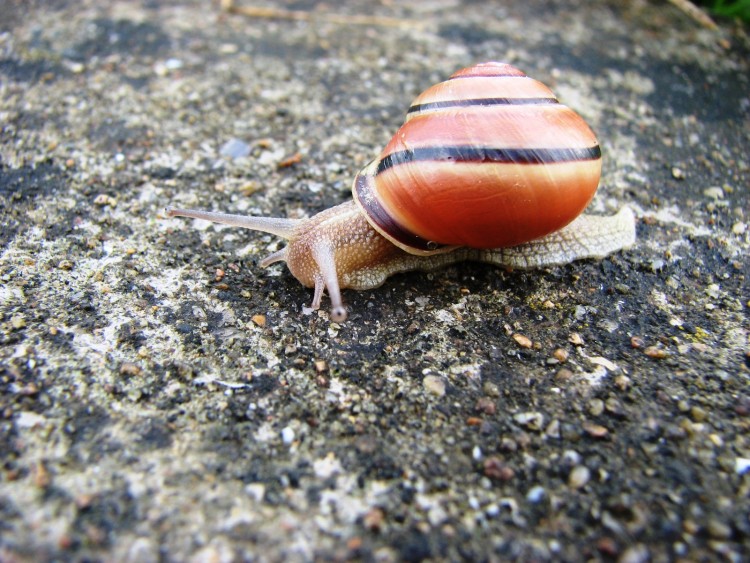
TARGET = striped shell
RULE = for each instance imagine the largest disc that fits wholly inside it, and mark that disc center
(487, 159)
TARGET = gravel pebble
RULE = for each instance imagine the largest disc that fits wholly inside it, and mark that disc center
(434, 384)
(579, 476)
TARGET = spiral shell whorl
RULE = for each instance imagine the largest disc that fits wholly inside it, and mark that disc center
(487, 159)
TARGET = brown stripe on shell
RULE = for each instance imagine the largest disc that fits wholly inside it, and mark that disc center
(384, 222)
(483, 89)
(478, 102)
(517, 127)
(537, 156)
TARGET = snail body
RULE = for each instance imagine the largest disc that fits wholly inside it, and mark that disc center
(488, 166)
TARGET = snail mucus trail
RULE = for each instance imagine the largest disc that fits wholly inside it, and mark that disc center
(488, 167)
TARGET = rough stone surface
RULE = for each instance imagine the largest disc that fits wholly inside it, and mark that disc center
(147, 414)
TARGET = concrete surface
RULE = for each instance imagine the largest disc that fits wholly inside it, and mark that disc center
(165, 399)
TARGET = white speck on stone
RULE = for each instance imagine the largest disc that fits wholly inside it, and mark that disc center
(572, 457)
(336, 392)
(713, 291)
(445, 316)
(217, 552)
(340, 502)
(673, 216)
(594, 378)
(256, 490)
(265, 433)
(604, 362)
(741, 465)
(422, 300)
(27, 419)
(579, 476)
(437, 515)
(435, 385)
(235, 148)
(535, 494)
(287, 435)
(327, 467)
(531, 420)
(476, 453)
(271, 158)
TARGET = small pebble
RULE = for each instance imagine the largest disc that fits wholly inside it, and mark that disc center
(41, 476)
(575, 339)
(607, 546)
(434, 384)
(741, 465)
(561, 355)
(563, 375)
(287, 435)
(522, 341)
(235, 148)
(486, 405)
(656, 352)
(535, 494)
(718, 530)
(531, 420)
(290, 161)
(104, 199)
(496, 469)
(490, 389)
(656, 265)
(17, 322)
(579, 476)
(635, 554)
(622, 382)
(553, 429)
(130, 369)
(698, 414)
(613, 406)
(595, 430)
(596, 407)
(259, 320)
(374, 519)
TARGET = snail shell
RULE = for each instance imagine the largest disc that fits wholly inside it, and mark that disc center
(487, 159)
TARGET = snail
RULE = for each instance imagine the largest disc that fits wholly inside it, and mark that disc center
(488, 166)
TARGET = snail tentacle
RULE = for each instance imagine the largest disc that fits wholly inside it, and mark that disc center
(278, 256)
(279, 226)
(327, 278)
